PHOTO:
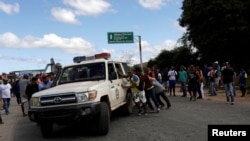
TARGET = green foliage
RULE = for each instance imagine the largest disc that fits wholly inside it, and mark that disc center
(219, 29)
(176, 57)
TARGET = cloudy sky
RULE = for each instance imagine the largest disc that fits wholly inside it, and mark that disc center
(33, 31)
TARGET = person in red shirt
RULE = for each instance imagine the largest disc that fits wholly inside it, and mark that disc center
(149, 89)
(151, 72)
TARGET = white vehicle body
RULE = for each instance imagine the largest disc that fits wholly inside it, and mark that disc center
(90, 88)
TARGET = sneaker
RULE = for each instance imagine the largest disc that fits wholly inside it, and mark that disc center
(232, 103)
(145, 113)
(162, 106)
(158, 110)
(152, 111)
(168, 107)
(194, 99)
(1, 122)
(139, 113)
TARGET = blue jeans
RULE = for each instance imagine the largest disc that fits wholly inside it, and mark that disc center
(164, 97)
(212, 89)
(6, 104)
(151, 94)
(184, 88)
(229, 91)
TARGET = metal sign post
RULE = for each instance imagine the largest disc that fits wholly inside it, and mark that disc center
(124, 37)
(140, 52)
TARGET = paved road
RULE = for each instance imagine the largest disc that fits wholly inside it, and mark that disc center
(185, 121)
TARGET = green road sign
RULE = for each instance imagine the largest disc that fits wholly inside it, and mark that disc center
(120, 37)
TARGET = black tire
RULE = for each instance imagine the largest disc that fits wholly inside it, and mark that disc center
(103, 119)
(129, 103)
(46, 129)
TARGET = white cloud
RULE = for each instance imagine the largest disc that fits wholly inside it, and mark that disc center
(70, 45)
(88, 7)
(152, 51)
(9, 8)
(152, 4)
(22, 59)
(148, 51)
(77, 8)
(110, 50)
(64, 15)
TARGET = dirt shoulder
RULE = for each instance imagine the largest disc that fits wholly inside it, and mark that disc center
(221, 96)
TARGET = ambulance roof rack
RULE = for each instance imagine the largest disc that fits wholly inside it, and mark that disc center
(79, 59)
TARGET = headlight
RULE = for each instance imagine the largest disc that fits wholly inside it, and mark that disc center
(85, 96)
(34, 101)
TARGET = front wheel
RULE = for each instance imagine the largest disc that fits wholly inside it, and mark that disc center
(46, 129)
(129, 103)
(103, 119)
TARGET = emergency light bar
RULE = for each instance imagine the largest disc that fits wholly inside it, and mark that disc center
(79, 59)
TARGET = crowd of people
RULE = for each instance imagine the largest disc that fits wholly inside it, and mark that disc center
(22, 88)
(145, 87)
(192, 80)
(149, 88)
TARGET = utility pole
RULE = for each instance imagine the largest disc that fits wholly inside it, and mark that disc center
(140, 52)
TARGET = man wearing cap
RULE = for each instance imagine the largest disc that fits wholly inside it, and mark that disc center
(5, 90)
(139, 94)
(46, 83)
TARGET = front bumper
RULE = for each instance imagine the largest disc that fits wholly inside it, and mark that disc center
(63, 113)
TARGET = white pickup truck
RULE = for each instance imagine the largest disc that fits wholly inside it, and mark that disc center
(90, 87)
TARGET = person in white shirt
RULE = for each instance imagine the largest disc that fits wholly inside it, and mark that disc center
(5, 90)
(172, 74)
(159, 76)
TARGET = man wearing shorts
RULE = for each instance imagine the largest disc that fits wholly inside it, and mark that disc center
(139, 95)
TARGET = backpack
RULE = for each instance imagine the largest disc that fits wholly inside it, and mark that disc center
(140, 85)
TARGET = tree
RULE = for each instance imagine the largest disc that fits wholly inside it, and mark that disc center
(219, 29)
